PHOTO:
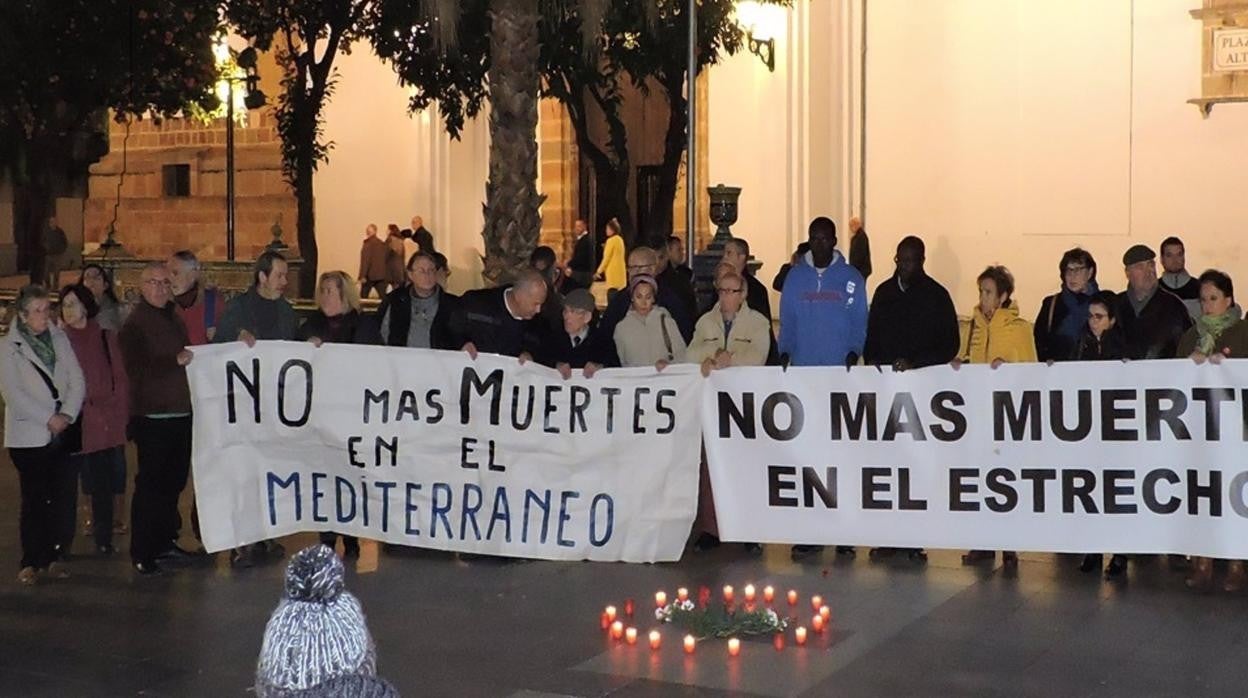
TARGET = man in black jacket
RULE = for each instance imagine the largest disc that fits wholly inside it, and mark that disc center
(670, 276)
(1152, 319)
(578, 343)
(912, 324)
(501, 320)
(1174, 276)
(582, 265)
(417, 314)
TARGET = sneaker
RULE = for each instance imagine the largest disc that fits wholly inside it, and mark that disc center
(27, 576)
(801, 552)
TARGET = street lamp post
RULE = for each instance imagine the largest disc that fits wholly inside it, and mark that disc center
(254, 98)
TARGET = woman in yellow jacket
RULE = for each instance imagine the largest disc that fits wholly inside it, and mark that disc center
(612, 270)
(996, 335)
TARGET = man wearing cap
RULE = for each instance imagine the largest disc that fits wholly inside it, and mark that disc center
(1152, 319)
(578, 343)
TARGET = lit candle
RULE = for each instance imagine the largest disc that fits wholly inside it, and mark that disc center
(815, 602)
(660, 599)
(690, 643)
(727, 593)
(800, 635)
(610, 611)
(734, 647)
(816, 623)
(769, 594)
(604, 621)
(682, 594)
(617, 630)
(630, 636)
(825, 613)
(749, 592)
(628, 608)
(792, 597)
(655, 639)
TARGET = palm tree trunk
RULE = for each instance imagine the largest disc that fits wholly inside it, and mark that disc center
(512, 205)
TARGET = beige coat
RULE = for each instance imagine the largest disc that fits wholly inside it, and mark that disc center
(28, 404)
(644, 341)
(748, 341)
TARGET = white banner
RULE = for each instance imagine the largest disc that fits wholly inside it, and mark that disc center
(431, 449)
(1144, 457)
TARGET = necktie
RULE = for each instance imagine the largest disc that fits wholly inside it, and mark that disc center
(576, 342)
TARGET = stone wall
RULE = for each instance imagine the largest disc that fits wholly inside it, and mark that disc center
(151, 224)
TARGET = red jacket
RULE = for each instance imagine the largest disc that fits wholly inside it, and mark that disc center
(106, 408)
(203, 313)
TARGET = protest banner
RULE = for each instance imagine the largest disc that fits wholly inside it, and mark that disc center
(1144, 457)
(436, 450)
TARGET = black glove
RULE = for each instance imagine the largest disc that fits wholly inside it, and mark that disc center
(784, 362)
(851, 360)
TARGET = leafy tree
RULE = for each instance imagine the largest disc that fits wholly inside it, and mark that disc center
(589, 50)
(308, 35)
(64, 64)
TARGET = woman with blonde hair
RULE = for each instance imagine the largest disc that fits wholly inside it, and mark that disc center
(612, 271)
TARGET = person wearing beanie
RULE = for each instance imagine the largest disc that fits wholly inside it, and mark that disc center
(1152, 319)
(317, 642)
(647, 336)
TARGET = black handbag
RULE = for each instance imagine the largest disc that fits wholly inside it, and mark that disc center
(70, 440)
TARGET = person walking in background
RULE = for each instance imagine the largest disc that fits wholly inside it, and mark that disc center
(43, 390)
(1220, 333)
(997, 335)
(1152, 319)
(1064, 315)
(100, 283)
(420, 235)
(581, 266)
(55, 253)
(374, 254)
(859, 248)
(200, 306)
(611, 270)
(105, 413)
(396, 253)
(153, 342)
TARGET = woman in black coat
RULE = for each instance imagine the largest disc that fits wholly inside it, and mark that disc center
(338, 320)
(1063, 317)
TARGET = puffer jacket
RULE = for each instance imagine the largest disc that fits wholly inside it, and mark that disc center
(1007, 336)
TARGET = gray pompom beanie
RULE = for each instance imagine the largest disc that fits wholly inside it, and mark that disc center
(317, 632)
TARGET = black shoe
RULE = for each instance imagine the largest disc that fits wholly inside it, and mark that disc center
(351, 550)
(177, 554)
(882, 552)
(1177, 562)
(270, 548)
(753, 548)
(801, 552)
(705, 542)
(1117, 566)
(975, 557)
(242, 558)
(105, 550)
(148, 569)
(847, 550)
(1091, 563)
(1009, 560)
(916, 554)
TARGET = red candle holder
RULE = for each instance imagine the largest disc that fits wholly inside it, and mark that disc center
(769, 594)
(777, 641)
(792, 596)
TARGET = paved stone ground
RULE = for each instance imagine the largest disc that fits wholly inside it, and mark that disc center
(450, 628)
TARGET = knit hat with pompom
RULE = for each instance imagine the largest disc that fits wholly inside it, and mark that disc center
(317, 632)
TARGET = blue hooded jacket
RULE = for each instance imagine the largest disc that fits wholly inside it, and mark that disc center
(823, 314)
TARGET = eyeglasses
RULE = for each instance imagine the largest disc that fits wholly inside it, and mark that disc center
(728, 290)
(158, 282)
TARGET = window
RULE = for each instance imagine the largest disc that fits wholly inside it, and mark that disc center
(176, 179)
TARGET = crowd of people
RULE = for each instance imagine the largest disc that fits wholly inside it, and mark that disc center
(77, 388)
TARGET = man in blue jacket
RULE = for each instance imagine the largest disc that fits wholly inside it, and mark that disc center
(823, 317)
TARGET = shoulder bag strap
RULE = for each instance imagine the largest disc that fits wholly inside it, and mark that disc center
(667, 338)
(56, 394)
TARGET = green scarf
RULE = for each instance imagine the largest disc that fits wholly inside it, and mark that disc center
(41, 344)
(1209, 328)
